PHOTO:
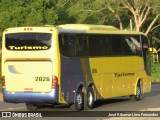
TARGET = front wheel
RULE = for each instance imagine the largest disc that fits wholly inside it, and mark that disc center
(138, 93)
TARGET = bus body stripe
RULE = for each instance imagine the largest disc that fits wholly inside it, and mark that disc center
(86, 73)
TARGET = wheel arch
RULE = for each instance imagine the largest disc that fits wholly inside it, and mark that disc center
(79, 86)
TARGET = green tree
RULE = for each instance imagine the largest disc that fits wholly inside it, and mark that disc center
(26, 13)
(144, 13)
(113, 11)
(141, 9)
(38, 12)
(96, 12)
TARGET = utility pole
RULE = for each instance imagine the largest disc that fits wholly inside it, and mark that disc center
(131, 25)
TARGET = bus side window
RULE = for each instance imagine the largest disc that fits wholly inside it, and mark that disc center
(63, 44)
(67, 45)
(105, 45)
(134, 44)
(99, 45)
(93, 45)
(81, 45)
(72, 45)
(117, 45)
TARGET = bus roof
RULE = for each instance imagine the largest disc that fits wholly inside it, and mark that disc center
(89, 28)
(74, 28)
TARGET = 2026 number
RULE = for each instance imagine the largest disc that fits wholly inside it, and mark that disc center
(40, 78)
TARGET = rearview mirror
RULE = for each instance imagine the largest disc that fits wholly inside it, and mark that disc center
(154, 54)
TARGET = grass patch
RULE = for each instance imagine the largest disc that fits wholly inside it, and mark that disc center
(0, 83)
(155, 72)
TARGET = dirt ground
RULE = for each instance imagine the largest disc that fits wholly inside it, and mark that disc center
(1, 96)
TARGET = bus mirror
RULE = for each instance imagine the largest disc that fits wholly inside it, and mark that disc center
(152, 50)
(154, 54)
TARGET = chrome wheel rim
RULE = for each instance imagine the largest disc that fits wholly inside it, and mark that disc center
(138, 91)
(79, 99)
(90, 99)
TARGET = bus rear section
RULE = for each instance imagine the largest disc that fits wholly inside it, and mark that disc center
(28, 76)
(27, 67)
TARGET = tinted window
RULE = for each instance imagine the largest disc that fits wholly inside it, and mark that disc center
(28, 41)
(99, 45)
(73, 45)
(134, 43)
(115, 45)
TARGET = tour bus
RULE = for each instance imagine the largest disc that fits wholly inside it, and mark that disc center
(73, 65)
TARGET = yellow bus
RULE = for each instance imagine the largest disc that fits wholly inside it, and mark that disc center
(73, 64)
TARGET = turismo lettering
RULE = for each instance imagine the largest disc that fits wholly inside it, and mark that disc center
(124, 74)
(28, 47)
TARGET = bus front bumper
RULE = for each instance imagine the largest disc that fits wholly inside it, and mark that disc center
(31, 97)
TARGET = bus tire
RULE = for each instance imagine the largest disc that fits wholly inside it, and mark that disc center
(90, 98)
(85, 106)
(78, 104)
(32, 107)
(138, 93)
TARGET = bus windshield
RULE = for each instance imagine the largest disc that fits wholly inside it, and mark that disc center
(28, 41)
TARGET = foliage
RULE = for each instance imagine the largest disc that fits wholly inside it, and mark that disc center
(141, 10)
(26, 13)
(143, 14)
(155, 72)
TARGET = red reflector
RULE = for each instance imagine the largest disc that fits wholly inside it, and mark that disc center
(3, 81)
(54, 77)
(54, 81)
(28, 89)
(28, 28)
(3, 84)
(3, 78)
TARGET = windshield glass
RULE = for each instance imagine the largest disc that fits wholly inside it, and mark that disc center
(28, 41)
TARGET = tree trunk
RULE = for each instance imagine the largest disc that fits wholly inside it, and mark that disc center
(152, 23)
(120, 22)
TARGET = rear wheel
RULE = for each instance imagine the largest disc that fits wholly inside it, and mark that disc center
(78, 105)
(32, 107)
(90, 98)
